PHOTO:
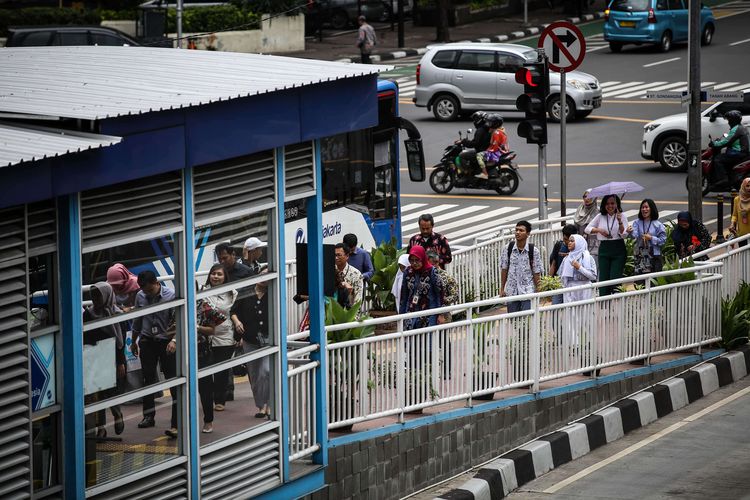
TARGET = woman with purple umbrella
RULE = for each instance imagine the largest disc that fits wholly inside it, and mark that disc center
(610, 226)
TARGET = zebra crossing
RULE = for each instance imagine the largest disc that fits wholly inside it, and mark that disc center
(455, 221)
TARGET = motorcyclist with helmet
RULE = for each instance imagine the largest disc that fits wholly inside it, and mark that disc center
(482, 135)
(737, 151)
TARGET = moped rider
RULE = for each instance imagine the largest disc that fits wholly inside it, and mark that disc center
(737, 151)
(498, 143)
(481, 140)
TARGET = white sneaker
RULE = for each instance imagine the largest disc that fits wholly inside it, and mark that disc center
(481, 176)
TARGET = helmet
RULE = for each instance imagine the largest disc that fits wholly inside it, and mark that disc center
(734, 117)
(494, 120)
(478, 118)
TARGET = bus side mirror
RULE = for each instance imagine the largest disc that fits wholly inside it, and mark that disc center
(415, 159)
(713, 115)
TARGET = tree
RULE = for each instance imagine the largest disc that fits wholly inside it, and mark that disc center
(442, 32)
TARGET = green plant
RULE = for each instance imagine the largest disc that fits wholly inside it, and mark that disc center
(735, 318)
(671, 264)
(46, 16)
(336, 314)
(548, 283)
(211, 19)
(385, 261)
(118, 15)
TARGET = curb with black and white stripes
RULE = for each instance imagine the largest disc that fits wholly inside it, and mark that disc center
(515, 35)
(498, 478)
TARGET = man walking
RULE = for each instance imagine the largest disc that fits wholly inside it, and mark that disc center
(366, 39)
(154, 337)
(358, 257)
(430, 240)
(235, 270)
(351, 276)
(520, 268)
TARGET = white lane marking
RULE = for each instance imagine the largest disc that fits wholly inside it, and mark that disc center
(735, 43)
(643, 91)
(412, 206)
(620, 86)
(476, 218)
(642, 88)
(630, 449)
(594, 49)
(490, 224)
(662, 62)
(450, 215)
(724, 85)
(739, 87)
(433, 210)
(607, 84)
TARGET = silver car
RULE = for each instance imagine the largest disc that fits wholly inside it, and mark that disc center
(462, 77)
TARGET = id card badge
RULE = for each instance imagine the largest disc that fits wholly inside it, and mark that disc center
(415, 299)
(154, 330)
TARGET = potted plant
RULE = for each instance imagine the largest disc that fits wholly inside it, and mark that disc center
(385, 262)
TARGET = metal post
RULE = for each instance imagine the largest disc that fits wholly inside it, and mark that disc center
(542, 182)
(563, 120)
(525, 13)
(719, 219)
(179, 24)
(401, 42)
(695, 197)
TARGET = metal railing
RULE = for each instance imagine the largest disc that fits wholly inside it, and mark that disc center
(303, 440)
(736, 260)
(409, 370)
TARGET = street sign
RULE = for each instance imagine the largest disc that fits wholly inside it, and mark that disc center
(665, 94)
(565, 45)
(718, 95)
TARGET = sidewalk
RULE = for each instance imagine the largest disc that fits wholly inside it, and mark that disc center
(340, 46)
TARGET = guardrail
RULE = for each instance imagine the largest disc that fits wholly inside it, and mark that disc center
(736, 260)
(487, 234)
(303, 440)
(410, 370)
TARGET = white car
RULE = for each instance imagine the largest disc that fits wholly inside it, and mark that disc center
(665, 139)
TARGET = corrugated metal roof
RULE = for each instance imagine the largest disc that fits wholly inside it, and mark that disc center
(19, 143)
(103, 82)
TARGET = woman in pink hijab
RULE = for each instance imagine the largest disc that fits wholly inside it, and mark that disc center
(124, 284)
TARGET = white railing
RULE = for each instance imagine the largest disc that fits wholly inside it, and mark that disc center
(736, 260)
(488, 234)
(477, 268)
(303, 440)
(409, 370)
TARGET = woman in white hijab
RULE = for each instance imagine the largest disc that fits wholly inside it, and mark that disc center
(578, 268)
(403, 263)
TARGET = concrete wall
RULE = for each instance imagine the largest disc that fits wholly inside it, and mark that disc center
(280, 34)
(127, 27)
(391, 466)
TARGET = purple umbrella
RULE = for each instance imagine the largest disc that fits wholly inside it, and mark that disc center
(618, 188)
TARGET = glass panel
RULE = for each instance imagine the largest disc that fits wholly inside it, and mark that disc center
(476, 61)
(43, 372)
(73, 38)
(630, 5)
(157, 255)
(36, 39)
(43, 291)
(45, 451)
(240, 245)
(116, 446)
(106, 39)
(252, 402)
(444, 58)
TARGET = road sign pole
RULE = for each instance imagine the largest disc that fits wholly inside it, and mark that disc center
(563, 120)
(542, 182)
(695, 196)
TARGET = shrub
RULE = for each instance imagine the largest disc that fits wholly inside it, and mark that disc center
(41, 16)
(385, 262)
(211, 19)
(735, 318)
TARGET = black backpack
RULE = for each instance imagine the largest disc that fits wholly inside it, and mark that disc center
(531, 254)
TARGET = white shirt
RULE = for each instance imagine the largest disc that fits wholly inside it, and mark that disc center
(610, 225)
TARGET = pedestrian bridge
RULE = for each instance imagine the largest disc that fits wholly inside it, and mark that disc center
(580, 355)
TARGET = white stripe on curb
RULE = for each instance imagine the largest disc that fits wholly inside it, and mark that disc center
(479, 487)
(541, 455)
(646, 407)
(737, 360)
(677, 392)
(612, 423)
(507, 470)
(579, 440)
(709, 377)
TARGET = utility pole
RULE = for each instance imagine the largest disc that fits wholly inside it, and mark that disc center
(179, 24)
(695, 197)
(401, 24)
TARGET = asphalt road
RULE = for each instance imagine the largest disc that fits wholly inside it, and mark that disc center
(602, 148)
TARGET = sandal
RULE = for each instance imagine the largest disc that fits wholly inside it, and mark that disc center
(260, 414)
(171, 432)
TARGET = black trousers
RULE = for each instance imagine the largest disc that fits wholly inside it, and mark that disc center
(206, 389)
(221, 379)
(153, 352)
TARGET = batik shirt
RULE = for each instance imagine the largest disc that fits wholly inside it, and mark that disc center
(354, 278)
(520, 274)
(436, 242)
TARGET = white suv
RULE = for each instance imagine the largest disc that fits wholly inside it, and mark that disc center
(461, 77)
(665, 139)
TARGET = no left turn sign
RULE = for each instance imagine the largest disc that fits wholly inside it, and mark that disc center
(564, 45)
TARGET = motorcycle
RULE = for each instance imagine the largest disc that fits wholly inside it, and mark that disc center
(459, 164)
(740, 171)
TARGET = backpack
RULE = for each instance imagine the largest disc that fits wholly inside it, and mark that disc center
(531, 254)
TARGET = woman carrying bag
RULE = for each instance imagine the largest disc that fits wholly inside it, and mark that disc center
(650, 236)
(609, 227)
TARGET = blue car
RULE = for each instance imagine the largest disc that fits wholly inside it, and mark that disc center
(658, 22)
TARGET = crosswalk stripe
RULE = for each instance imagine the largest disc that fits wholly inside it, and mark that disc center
(739, 87)
(433, 210)
(725, 85)
(458, 213)
(643, 91)
(412, 206)
(487, 225)
(642, 88)
(470, 220)
(605, 91)
(605, 85)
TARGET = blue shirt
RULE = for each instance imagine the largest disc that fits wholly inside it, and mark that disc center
(154, 325)
(655, 229)
(361, 261)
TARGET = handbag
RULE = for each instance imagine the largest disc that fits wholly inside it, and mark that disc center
(642, 260)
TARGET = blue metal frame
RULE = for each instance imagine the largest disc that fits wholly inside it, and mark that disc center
(71, 321)
(314, 208)
(281, 327)
(189, 266)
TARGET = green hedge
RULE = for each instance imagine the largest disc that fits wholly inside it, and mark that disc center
(39, 16)
(216, 18)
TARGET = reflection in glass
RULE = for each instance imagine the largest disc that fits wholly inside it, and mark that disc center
(111, 455)
(240, 244)
(244, 411)
(42, 291)
(45, 451)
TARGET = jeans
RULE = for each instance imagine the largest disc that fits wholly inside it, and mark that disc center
(519, 305)
(153, 351)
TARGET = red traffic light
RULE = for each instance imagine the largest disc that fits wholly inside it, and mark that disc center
(526, 76)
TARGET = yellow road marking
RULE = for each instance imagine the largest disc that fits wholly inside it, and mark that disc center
(619, 119)
(630, 449)
(578, 164)
(551, 200)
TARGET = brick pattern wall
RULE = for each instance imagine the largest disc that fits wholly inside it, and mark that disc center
(391, 466)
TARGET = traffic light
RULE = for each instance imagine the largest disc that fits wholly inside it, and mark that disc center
(533, 102)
